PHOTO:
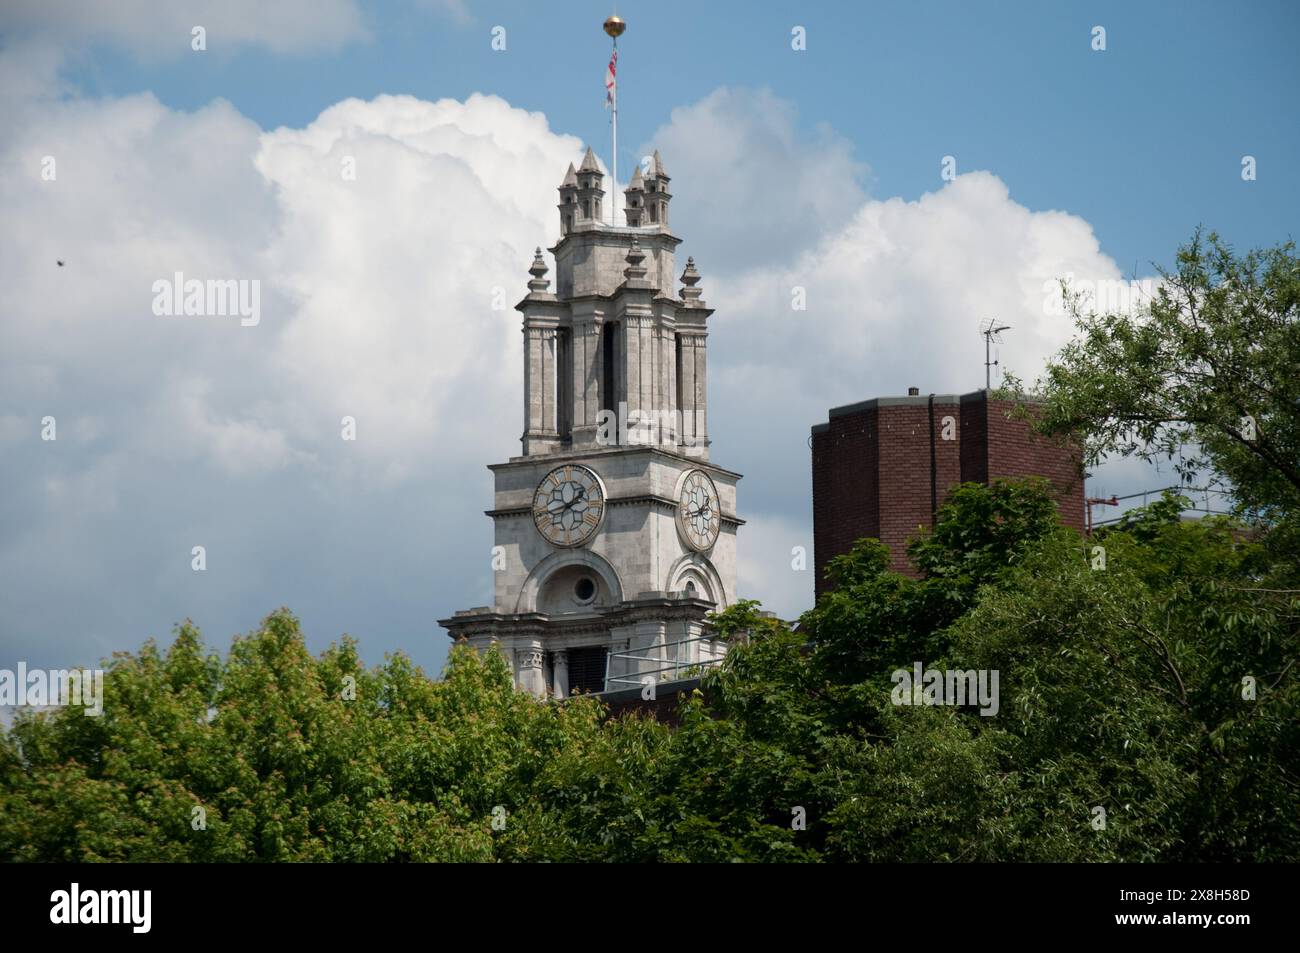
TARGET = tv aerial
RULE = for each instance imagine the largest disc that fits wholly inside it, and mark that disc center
(991, 329)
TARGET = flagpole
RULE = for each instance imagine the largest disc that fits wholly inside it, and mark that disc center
(613, 197)
(614, 26)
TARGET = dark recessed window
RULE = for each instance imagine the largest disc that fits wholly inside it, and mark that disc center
(587, 669)
(584, 590)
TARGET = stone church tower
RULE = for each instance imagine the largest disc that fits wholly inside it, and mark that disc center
(615, 535)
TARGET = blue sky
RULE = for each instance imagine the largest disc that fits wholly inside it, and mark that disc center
(1144, 140)
(817, 169)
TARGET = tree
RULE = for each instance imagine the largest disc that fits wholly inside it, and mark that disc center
(875, 619)
(272, 755)
(1161, 690)
(1158, 689)
(1208, 374)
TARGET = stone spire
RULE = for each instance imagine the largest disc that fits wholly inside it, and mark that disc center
(690, 293)
(568, 200)
(634, 207)
(539, 282)
(657, 194)
(591, 190)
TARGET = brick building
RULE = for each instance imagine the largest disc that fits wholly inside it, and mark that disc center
(880, 468)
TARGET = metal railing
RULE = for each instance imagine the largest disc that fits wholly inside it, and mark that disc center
(1186, 492)
(676, 665)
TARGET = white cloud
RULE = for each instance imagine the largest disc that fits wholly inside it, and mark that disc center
(902, 287)
(175, 431)
(894, 299)
(895, 293)
(393, 274)
(750, 186)
(767, 563)
(376, 304)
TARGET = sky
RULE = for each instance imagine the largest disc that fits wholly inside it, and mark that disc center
(821, 168)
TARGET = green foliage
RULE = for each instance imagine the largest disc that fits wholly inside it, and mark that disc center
(1214, 357)
(980, 530)
(1120, 689)
(874, 617)
(284, 764)
(743, 618)
(1161, 689)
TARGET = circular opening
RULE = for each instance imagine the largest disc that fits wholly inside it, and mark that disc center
(584, 590)
(690, 589)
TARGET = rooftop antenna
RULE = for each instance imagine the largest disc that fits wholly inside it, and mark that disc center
(990, 329)
(614, 26)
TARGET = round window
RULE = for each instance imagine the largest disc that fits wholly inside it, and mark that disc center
(584, 590)
(690, 589)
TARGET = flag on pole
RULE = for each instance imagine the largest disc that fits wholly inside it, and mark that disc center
(611, 87)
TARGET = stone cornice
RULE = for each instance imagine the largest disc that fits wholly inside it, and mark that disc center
(662, 502)
(597, 452)
(658, 607)
(590, 233)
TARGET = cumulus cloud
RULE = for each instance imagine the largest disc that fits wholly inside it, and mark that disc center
(774, 562)
(893, 299)
(826, 297)
(377, 303)
(382, 234)
(902, 287)
(750, 186)
(393, 276)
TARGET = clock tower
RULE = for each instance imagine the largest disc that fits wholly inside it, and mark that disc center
(614, 532)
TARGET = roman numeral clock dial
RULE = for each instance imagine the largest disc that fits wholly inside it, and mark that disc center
(569, 505)
(699, 515)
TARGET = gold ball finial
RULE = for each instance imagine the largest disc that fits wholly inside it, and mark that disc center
(615, 26)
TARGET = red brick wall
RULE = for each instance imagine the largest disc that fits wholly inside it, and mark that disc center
(1014, 450)
(974, 442)
(905, 501)
(845, 463)
(871, 468)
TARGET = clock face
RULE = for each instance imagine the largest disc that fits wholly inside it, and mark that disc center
(699, 515)
(569, 505)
